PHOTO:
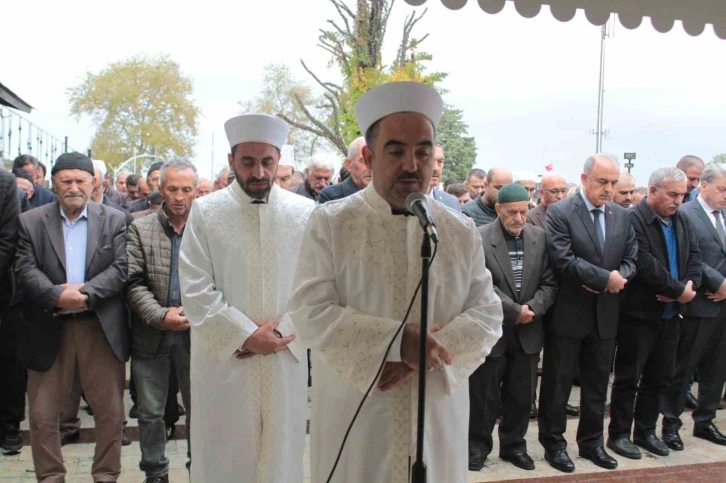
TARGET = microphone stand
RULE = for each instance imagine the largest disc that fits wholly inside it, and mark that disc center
(418, 474)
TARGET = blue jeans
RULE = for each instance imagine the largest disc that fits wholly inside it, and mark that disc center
(151, 375)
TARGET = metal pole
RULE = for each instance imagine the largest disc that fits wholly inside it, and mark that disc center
(598, 131)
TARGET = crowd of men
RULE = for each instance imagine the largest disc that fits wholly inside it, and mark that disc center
(219, 299)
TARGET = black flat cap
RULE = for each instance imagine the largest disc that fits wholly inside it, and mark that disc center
(73, 161)
(154, 167)
(155, 198)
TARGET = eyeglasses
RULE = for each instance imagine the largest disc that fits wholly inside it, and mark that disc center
(555, 191)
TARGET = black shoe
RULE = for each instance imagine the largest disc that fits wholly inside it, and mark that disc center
(560, 461)
(600, 457)
(652, 444)
(710, 433)
(691, 401)
(476, 462)
(572, 410)
(11, 443)
(69, 438)
(170, 430)
(672, 439)
(157, 479)
(125, 440)
(533, 411)
(134, 412)
(181, 411)
(624, 447)
(521, 460)
(89, 410)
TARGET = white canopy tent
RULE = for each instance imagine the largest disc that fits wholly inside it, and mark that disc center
(694, 14)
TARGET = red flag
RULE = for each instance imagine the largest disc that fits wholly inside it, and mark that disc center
(550, 167)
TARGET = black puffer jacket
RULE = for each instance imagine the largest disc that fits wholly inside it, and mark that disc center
(479, 211)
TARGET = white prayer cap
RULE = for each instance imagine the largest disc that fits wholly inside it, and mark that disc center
(256, 128)
(287, 156)
(396, 97)
(525, 176)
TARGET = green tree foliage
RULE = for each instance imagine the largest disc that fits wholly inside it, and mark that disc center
(142, 104)
(459, 149)
(719, 158)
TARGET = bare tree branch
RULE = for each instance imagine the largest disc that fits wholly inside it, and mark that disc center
(319, 126)
(328, 86)
(406, 43)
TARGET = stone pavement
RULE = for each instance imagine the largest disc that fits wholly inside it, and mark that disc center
(700, 462)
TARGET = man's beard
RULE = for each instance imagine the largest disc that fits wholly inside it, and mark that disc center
(254, 193)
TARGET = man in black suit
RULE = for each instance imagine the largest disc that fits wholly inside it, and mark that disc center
(669, 271)
(12, 373)
(592, 249)
(702, 343)
(98, 194)
(71, 267)
(360, 175)
(518, 261)
(41, 196)
(441, 196)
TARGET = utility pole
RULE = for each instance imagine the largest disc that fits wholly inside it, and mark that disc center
(599, 131)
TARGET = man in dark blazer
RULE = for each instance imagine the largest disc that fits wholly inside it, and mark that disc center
(12, 373)
(702, 343)
(434, 192)
(360, 175)
(518, 261)
(71, 267)
(593, 250)
(41, 196)
(651, 315)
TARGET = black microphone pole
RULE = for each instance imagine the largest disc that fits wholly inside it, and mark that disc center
(418, 475)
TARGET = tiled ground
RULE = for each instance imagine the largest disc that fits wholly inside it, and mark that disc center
(700, 462)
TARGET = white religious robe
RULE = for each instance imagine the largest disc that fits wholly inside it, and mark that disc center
(359, 267)
(236, 265)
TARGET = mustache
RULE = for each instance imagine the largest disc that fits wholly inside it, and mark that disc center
(403, 176)
(73, 195)
(257, 180)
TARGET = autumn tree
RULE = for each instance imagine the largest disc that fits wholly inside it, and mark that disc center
(279, 95)
(139, 105)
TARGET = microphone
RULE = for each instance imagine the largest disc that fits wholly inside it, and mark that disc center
(416, 204)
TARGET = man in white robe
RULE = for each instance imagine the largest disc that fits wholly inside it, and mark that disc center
(358, 268)
(248, 373)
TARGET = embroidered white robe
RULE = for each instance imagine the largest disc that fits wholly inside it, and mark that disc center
(359, 266)
(236, 265)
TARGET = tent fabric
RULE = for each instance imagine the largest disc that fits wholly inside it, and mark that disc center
(693, 14)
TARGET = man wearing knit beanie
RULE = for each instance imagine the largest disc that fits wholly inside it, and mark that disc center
(517, 259)
(71, 268)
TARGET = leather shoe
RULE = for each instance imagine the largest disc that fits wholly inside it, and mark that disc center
(560, 460)
(624, 447)
(691, 401)
(134, 412)
(652, 444)
(672, 439)
(572, 410)
(476, 462)
(521, 460)
(533, 411)
(710, 433)
(125, 440)
(70, 438)
(600, 458)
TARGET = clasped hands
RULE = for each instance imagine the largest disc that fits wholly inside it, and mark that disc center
(437, 355)
(264, 341)
(616, 283)
(71, 299)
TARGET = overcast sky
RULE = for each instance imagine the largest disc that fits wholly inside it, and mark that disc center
(528, 87)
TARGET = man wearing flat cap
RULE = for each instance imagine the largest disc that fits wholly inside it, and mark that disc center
(526, 284)
(71, 268)
(236, 264)
(359, 267)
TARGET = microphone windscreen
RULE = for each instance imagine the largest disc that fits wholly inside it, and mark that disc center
(413, 198)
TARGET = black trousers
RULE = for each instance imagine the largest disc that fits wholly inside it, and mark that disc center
(560, 357)
(702, 344)
(513, 372)
(644, 366)
(13, 376)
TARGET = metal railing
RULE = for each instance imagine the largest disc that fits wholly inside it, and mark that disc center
(18, 135)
